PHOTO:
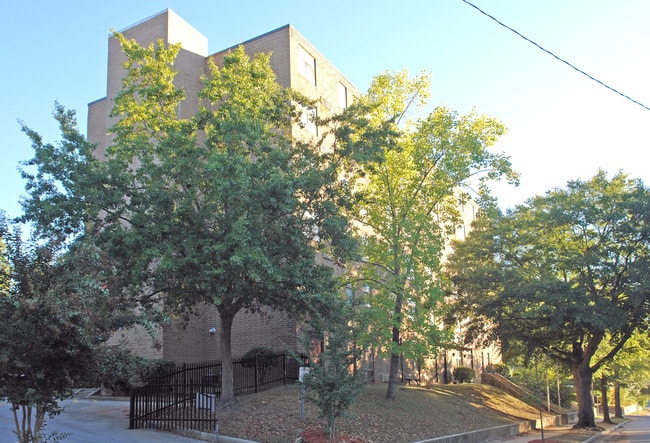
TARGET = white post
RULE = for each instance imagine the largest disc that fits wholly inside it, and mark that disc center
(301, 375)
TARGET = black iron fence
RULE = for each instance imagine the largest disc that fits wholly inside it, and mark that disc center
(186, 397)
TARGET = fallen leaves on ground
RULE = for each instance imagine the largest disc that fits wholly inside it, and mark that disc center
(416, 414)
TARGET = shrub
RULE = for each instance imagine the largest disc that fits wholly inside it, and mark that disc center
(258, 352)
(263, 357)
(464, 375)
(151, 369)
(119, 370)
(330, 384)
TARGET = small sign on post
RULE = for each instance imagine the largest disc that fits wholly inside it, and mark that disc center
(304, 370)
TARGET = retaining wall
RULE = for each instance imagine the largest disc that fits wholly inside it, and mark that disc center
(505, 431)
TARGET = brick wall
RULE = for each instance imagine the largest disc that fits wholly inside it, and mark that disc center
(165, 26)
(139, 341)
(191, 341)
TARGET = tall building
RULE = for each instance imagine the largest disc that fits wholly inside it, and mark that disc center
(298, 65)
(295, 62)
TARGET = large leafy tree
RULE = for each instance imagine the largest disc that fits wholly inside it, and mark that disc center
(408, 203)
(560, 274)
(223, 208)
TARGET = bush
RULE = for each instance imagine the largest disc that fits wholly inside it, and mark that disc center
(464, 375)
(119, 370)
(152, 369)
(330, 384)
(264, 356)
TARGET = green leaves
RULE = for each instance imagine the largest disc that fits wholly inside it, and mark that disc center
(61, 180)
(560, 274)
(330, 383)
(391, 96)
(223, 207)
(408, 202)
(148, 102)
(407, 195)
(58, 312)
(573, 280)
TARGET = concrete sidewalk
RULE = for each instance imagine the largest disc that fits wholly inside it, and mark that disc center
(550, 433)
(553, 433)
(97, 421)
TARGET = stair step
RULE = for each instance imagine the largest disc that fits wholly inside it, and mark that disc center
(85, 392)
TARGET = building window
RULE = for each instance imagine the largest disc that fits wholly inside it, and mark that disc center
(325, 103)
(307, 65)
(308, 119)
(343, 96)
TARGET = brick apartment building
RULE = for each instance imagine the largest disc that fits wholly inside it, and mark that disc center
(297, 65)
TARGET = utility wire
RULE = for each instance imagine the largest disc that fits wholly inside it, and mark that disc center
(559, 58)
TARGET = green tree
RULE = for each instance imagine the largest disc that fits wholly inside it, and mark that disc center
(543, 377)
(332, 383)
(223, 208)
(408, 203)
(631, 372)
(54, 318)
(561, 273)
(629, 369)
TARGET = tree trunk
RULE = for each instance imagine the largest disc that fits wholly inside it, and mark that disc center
(39, 423)
(618, 410)
(31, 423)
(227, 381)
(548, 394)
(605, 401)
(559, 393)
(391, 393)
(583, 382)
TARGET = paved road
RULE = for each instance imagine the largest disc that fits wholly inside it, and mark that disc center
(96, 421)
(636, 430)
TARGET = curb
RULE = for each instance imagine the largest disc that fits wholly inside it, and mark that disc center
(607, 431)
(207, 436)
(502, 432)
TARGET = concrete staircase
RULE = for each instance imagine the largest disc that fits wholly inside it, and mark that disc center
(515, 390)
(84, 392)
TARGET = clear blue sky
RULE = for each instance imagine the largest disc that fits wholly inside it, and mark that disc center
(561, 125)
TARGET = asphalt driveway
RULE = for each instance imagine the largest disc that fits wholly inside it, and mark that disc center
(96, 421)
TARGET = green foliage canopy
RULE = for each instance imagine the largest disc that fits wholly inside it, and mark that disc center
(223, 207)
(55, 317)
(408, 203)
(561, 273)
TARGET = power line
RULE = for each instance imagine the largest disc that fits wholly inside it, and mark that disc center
(559, 58)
